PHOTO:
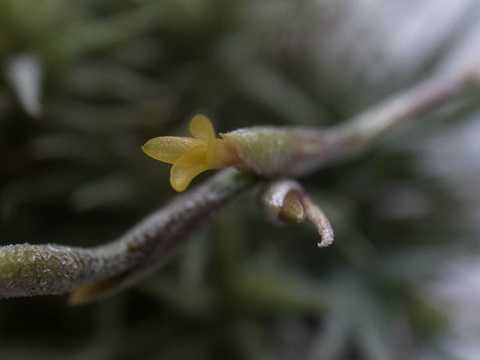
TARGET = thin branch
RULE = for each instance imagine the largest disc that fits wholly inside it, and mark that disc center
(27, 270)
(422, 99)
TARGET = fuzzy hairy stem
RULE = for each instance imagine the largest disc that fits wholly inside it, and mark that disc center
(27, 270)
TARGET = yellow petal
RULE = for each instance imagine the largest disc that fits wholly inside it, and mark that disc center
(169, 148)
(201, 128)
(195, 156)
(181, 176)
(187, 167)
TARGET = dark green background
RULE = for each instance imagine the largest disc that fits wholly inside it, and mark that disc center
(116, 73)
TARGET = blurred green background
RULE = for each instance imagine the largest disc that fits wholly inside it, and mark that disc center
(84, 83)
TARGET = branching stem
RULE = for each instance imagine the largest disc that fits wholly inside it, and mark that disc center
(28, 270)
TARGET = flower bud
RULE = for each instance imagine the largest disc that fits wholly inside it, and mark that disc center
(286, 202)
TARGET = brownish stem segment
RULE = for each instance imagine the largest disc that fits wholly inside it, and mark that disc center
(28, 270)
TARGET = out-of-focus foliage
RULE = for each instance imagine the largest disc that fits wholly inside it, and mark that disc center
(115, 73)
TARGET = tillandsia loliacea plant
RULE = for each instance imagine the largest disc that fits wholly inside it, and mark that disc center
(268, 153)
(264, 151)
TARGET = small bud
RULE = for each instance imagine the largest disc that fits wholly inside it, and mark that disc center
(281, 203)
(292, 210)
(286, 202)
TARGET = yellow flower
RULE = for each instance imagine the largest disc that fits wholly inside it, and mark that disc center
(191, 156)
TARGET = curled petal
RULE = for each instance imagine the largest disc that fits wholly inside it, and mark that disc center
(187, 167)
(169, 148)
(182, 175)
(201, 128)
